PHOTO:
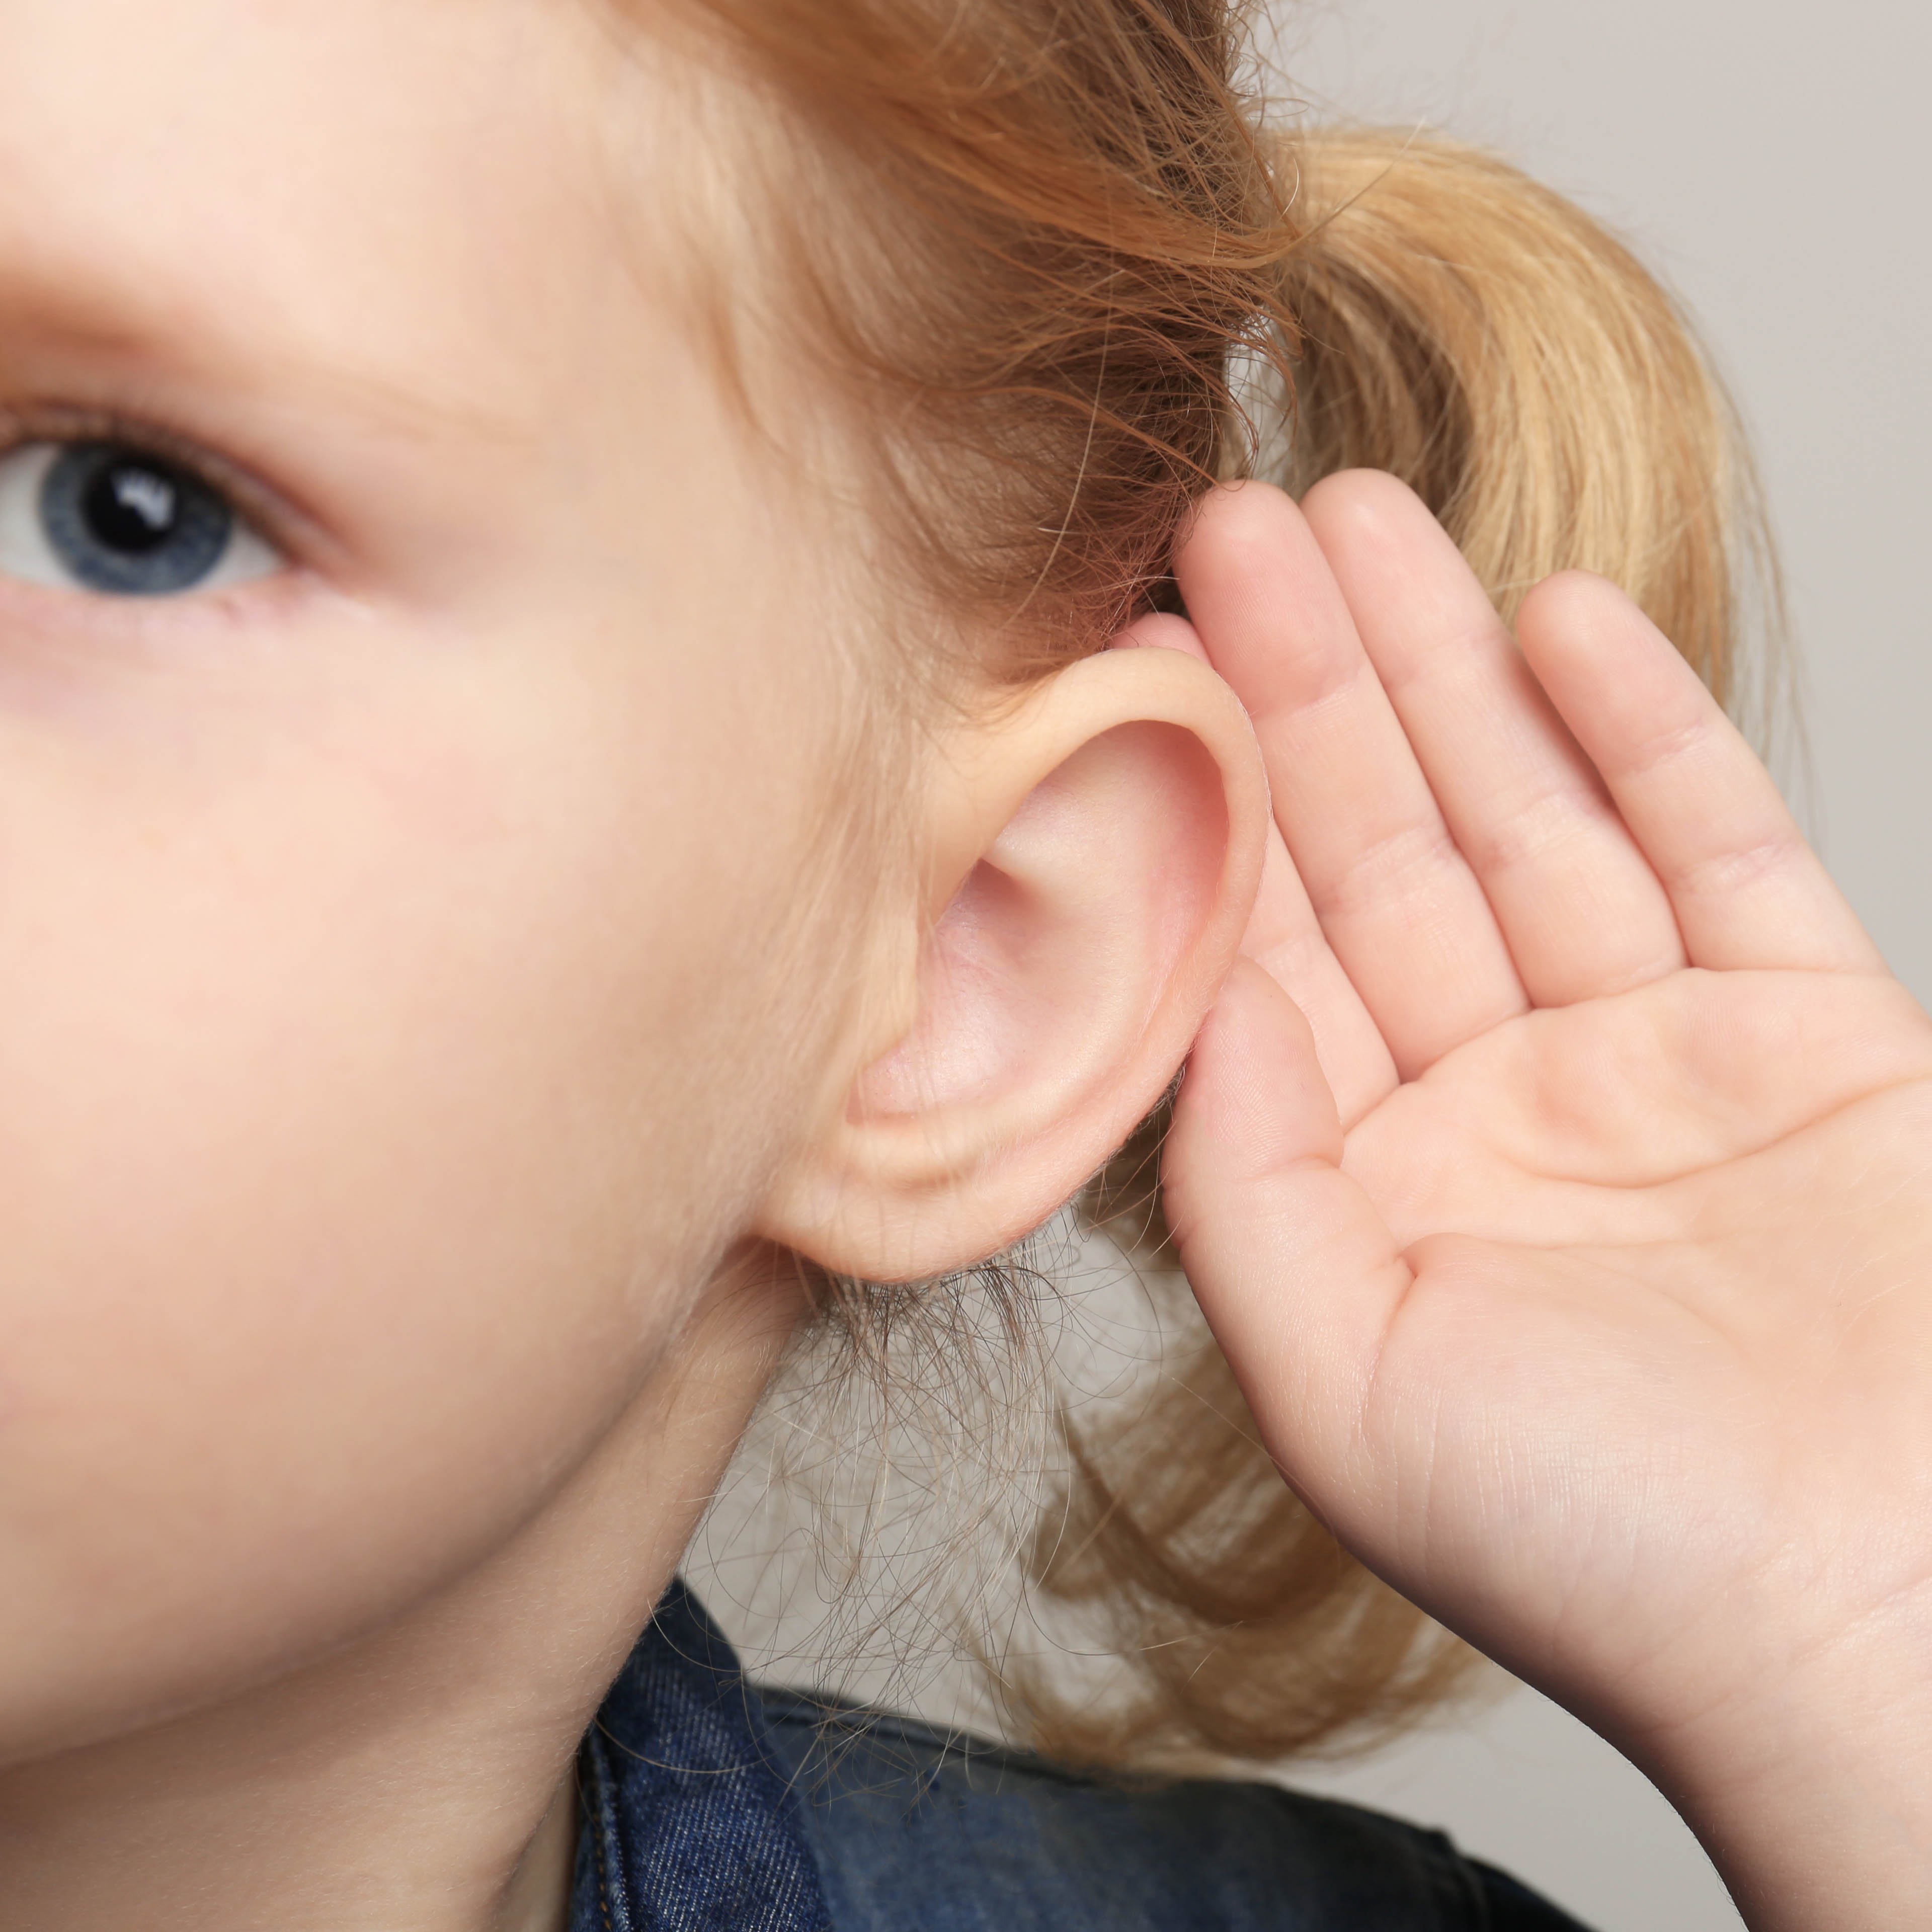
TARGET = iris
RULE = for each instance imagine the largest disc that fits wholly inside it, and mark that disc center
(132, 524)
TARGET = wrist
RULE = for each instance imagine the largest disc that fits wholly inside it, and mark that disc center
(1811, 1789)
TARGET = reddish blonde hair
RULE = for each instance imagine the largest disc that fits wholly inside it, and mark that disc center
(1065, 278)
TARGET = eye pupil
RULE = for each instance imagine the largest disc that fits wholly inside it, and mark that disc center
(123, 521)
(131, 506)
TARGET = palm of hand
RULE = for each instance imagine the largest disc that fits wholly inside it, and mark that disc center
(1557, 1175)
(1671, 1251)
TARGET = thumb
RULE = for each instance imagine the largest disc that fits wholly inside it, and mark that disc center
(1295, 1269)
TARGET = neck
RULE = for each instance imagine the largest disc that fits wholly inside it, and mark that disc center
(419, 1778)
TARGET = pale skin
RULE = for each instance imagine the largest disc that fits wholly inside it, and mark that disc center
(430, 996)
(429, 988)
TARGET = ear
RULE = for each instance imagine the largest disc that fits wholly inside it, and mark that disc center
(1093, 854)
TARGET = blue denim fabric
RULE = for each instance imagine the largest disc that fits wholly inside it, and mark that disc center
(690, 1824)
(710, 1803)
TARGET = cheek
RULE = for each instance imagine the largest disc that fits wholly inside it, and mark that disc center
(366, 1122)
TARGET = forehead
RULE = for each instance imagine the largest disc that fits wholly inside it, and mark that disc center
(408, 193)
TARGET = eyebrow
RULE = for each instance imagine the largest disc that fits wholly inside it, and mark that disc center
(55, 310)
(86, 317)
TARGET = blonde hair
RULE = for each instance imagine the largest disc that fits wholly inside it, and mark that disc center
(1067, 277)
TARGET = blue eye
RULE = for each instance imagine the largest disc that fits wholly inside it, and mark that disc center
(108, 518)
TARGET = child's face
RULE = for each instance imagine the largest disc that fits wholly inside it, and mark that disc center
(391, 1027)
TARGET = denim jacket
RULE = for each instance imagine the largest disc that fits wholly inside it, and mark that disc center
(712, 1804)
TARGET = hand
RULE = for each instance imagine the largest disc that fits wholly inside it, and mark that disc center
(1557, 1176)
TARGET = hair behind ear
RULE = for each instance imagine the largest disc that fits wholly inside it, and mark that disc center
(1460, 325)
(1486, 340)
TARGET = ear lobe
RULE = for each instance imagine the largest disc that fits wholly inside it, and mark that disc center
(1096, 854)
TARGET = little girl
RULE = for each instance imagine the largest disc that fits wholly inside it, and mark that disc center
(564, 810)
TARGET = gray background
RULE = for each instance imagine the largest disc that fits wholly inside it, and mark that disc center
(1769, 160)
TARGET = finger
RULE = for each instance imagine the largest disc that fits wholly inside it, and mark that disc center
(1398, 905)
(1294, 1270)
(1286, 938)
(1746, 888)
(1581, 909)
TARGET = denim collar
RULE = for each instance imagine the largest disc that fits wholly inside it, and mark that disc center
(689, 1825)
